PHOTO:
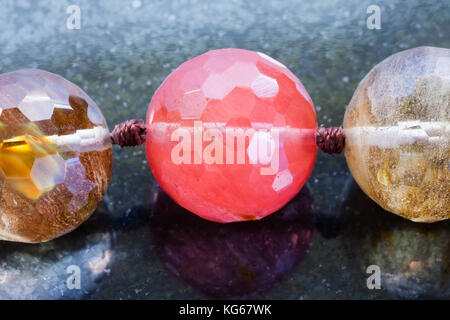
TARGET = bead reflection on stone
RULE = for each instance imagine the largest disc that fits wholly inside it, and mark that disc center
(42, 272)
(398, 134)
(55, 156)
(232, 260)
(414, 258)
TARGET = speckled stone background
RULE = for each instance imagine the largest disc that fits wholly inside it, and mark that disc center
(123, 51)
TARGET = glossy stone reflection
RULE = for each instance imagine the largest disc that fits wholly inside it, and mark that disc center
(398, 134)
(232, 260)
(55, 156)
(248, 126)
(414, 259)
(41, 271)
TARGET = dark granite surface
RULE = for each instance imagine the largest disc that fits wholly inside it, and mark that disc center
(139, 244)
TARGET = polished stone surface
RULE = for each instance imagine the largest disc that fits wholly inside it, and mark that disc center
(123, 52)
(231, 135)
(232, 260)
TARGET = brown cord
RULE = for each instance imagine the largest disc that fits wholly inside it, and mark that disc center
(129, 133)
(330, 140)
(132, 133)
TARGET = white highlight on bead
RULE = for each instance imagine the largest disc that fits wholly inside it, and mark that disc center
(405, 132)
(62, 106)
(282, 180)
(442, 68)
(303, 92)
(212, 90)
(48, 171)
(36, 106)
(265, 87)
(265, 56)
(261, 148)
(84, 140)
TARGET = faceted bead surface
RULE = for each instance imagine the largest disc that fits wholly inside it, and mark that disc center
(231, 135)
(398, 134)
(55, 156)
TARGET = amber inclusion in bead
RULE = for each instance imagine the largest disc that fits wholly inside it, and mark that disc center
(55, 156)
(398, 134)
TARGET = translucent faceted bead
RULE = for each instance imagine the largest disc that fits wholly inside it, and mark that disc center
(55, 156)
(398, 134)
(231, 135)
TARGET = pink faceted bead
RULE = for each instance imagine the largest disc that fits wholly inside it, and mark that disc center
(231, 135)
